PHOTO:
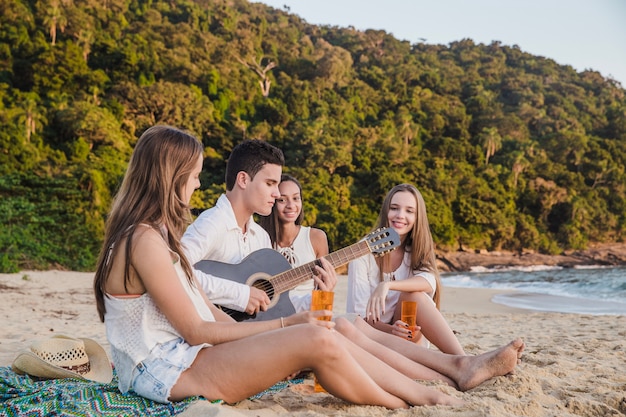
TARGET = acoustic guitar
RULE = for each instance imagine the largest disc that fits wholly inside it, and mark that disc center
(269, 271)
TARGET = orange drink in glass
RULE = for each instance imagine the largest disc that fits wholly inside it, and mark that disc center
(321, 300)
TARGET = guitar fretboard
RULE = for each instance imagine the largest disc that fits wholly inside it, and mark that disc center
(287, 280)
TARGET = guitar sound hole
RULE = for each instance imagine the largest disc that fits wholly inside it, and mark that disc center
(266, 286)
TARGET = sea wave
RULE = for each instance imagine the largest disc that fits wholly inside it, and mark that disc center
(571, 288)
(559, 304)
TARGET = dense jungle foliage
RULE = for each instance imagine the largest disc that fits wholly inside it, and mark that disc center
(510, 150)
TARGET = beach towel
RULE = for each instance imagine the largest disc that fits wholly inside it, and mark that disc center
(21, 395)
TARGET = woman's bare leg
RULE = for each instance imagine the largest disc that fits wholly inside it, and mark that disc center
(477, 369)
(236, 370)
(393, 358)
(433, 325)
(467, 371)
(396, 382)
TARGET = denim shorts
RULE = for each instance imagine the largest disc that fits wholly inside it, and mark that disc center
(154, 377)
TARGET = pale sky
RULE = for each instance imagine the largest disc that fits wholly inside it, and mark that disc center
(586, 34)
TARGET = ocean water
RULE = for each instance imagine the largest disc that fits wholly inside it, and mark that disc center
(583, 290)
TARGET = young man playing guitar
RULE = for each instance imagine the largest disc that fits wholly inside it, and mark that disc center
(228, 233)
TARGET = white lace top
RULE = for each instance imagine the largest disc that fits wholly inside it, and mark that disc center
(299, 253)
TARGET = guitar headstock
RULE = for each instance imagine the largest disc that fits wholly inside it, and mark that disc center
(382, 240)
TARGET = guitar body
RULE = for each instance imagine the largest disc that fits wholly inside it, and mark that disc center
(269, 271)
(255, 270)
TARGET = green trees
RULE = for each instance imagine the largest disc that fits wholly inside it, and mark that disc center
(510, 150)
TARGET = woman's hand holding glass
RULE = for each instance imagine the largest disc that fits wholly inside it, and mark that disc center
(405, 331)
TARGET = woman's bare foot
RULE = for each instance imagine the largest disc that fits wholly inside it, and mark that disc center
(436, 397)
(452, 401)
(477, 369)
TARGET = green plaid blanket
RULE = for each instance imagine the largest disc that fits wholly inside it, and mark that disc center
(21, 395)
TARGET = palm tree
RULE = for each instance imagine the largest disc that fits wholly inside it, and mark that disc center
(85, 38)
(53, 18)
(28, 114)
(520, 163)
(406, 126)
(491, 141)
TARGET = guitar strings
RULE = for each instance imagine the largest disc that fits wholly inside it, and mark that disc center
(279, 283)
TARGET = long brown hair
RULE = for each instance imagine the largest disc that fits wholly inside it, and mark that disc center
(151, 193)
(271, 224)
(419, 241)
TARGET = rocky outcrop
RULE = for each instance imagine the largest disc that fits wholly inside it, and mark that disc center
(599, 254)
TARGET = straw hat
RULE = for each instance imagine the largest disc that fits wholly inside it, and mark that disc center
(65, 357)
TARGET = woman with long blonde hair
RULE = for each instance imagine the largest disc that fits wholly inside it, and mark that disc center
(377, 286)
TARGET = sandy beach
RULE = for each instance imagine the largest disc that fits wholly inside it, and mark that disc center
(574, 365)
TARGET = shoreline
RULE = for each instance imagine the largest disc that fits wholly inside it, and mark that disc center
(39, 303)
(601, 254)
(588, 289)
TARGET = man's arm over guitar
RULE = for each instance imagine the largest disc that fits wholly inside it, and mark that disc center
(199, 241)
(224, 292)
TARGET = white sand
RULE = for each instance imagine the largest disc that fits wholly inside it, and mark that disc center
(574, 365)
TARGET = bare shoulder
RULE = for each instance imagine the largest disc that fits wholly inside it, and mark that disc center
(148, 239)
(319, 240)
(317, 234)
(148, 247)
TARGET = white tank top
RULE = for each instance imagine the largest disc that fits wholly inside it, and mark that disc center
(299, 253)
(134, 326)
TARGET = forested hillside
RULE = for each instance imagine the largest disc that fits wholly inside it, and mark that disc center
(510, 150)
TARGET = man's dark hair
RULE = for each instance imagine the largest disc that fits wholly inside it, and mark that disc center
(250, 156)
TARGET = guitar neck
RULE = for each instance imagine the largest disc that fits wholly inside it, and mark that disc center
(290, 279)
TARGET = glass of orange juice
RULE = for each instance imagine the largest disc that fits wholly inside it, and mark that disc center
(408, 315)
(321, 300)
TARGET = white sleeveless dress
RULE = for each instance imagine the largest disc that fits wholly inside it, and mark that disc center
(299, 253)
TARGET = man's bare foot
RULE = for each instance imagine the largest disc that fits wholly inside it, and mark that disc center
(477, 369)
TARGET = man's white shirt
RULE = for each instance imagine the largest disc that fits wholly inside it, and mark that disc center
(216, 236)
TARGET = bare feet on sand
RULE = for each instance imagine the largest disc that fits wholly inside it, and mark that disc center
(478, 369)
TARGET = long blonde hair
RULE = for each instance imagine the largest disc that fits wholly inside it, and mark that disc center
(419, 241)
(151, 193)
